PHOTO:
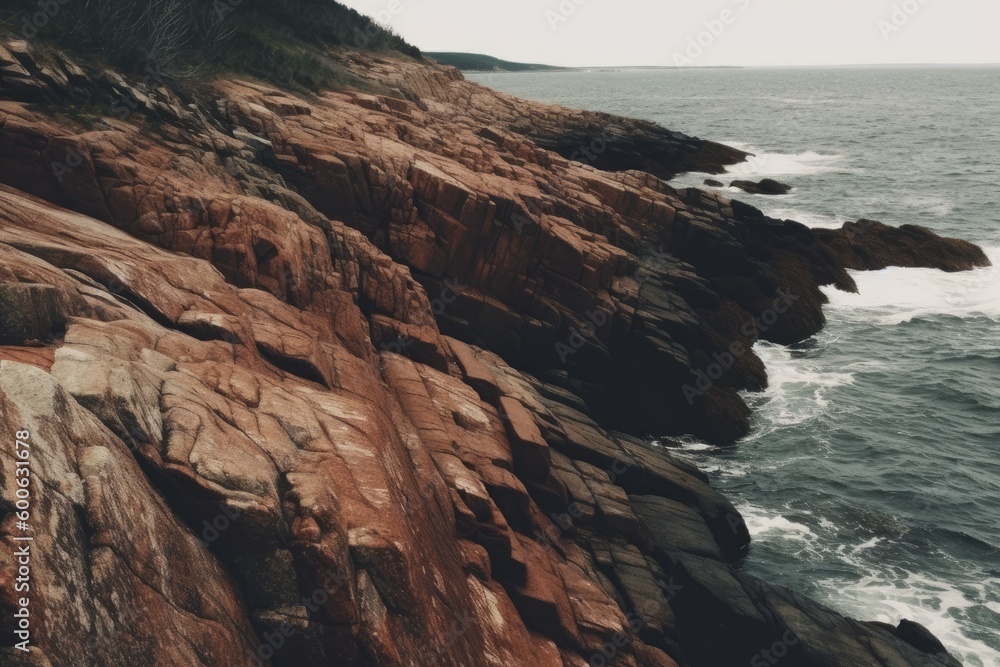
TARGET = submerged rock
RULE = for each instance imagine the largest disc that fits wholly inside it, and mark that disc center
(767, 186)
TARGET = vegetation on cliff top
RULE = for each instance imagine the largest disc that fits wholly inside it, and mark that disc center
(278, 40)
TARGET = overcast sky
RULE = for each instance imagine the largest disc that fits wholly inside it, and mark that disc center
(730, 32)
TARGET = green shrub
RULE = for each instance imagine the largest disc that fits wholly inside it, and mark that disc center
(278, 40)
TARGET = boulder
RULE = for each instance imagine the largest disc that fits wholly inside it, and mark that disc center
(767, 186)
(868, 245)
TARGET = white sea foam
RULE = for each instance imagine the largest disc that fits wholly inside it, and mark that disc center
(696, 446)
(885, 592)
(763, 524)
(938, 206)
(797, 393)
(723, 467)
(797, 388)
(806, 218)
(890, 596)
(684, 443)
(762, 164)
(896, 295)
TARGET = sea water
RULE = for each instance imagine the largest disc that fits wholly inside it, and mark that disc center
(871, 480)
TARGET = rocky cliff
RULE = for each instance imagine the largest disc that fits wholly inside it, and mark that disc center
(364, 378)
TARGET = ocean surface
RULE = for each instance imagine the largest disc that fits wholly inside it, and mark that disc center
(871, 480)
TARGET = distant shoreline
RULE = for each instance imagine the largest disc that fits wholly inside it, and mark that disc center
(479, 63)
(475, 62)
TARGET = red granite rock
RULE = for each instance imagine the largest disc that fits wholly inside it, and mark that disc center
(346, 380)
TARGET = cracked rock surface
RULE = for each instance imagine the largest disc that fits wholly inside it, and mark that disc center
(365, 379)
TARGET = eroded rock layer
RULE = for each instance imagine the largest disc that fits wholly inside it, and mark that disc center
(362, 379)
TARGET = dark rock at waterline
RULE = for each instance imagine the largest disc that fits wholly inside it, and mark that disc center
(711, 182)
(919, 637)
(814, 635)
(256, 349)
(768, 186)
(762, 624)
(868, 245)
(675, 526)
(626, 144)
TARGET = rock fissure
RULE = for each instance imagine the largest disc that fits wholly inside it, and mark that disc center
(384, 388)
